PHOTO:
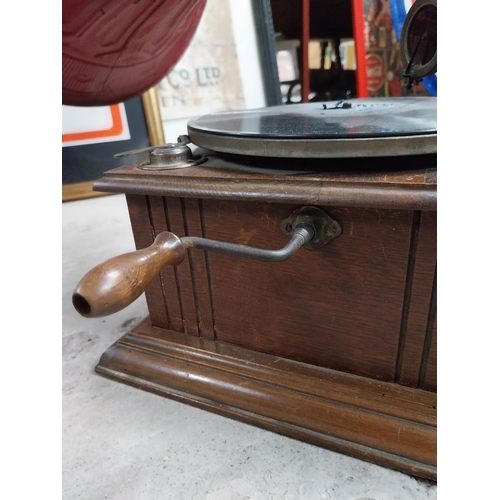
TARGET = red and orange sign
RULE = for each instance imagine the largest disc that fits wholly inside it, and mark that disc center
(89, 125)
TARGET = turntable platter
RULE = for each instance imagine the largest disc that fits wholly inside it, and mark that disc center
(351, 128)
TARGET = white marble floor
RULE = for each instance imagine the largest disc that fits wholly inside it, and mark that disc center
(125, 444)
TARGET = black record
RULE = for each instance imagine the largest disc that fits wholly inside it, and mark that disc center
(350, 128)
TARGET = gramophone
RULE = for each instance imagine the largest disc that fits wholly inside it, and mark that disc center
(288, 259)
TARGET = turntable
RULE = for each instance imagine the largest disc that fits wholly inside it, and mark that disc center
(288, 259)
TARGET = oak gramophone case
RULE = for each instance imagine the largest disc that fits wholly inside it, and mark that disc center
(288, 258)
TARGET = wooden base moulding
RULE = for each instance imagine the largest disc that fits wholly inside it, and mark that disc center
(380, 422)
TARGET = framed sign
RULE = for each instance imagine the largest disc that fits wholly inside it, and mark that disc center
(93, 135)
(230, 64)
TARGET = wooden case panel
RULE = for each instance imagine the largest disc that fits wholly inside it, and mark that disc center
(339, 307)
(418, 329)
(363, 304)
(143, 230)
(180, 297)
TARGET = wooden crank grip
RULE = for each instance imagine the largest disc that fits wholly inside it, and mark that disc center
(116, 283)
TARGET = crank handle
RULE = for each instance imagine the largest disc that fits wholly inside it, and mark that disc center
(116, 283)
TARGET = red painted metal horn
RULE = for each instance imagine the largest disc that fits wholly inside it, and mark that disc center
(113, 50)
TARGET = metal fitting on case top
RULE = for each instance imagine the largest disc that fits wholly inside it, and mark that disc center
(170, 156)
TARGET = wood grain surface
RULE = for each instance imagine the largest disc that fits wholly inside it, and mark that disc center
(390, 183)
(338, 307)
